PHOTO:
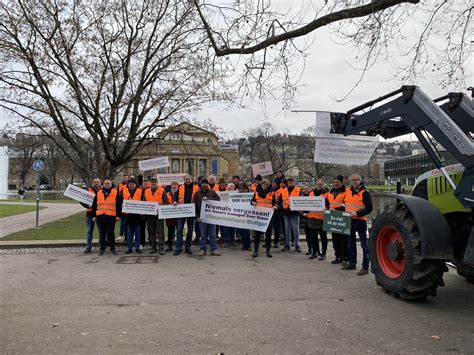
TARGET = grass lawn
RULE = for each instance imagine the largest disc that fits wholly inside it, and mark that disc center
(72, 227)
(11, 210)
(69, 228)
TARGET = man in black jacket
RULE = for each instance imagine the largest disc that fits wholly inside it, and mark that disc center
(359, 203)
(90, 224)
(106, 210)
(208, 231)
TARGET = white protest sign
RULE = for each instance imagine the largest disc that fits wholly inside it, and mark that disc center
(239, 215)
(178, 211)
(140, 207)
(167, 179)
(235, 197)
(307, 203)
(79, 194)
(338, 149)
(155, 163)
(263, 169)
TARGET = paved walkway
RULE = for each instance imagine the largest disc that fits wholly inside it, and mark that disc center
(53, 212)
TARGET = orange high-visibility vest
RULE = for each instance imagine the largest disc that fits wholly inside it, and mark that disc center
(121, 186)
(181, 193)
(137, 196)
(90, 189)
(354, 203)
(265, 201)
(253, 187)
(107, 205)
(154, 197)
(285, 196)
(337, 202)
(215, 187)
(316, 214)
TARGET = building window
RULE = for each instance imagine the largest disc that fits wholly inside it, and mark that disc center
(202, 167)
(175, 166)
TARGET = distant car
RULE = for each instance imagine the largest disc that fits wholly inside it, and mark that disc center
(45, 187)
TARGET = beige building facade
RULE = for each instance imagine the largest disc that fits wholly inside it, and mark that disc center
(190, 149)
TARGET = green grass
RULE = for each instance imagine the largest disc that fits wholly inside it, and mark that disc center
(69, 228)
(72, 227)
(11, 210)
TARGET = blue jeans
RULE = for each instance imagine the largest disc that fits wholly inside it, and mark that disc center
(245, 236)
(278, 226)
(133, 230)
(189, 235)
(208, 231)
(359, 226)
(90, 230)
(123, 227)
(229, 235)
(293, 222)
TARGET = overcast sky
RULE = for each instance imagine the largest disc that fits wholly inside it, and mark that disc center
(327, 74)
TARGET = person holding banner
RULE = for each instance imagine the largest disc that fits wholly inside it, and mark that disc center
(156, 226)
(106, 210)
(212, 183)
(208, 231)
(96, 186)
(133, 220)
(290, 218)
(244, 233)
(336, 202)
(359, 203)
(257, 184)
(277, 215)
(123, 227)
(264, 197)
(145, 185)
(186, 194)
(228, 233)
(173, 197)
(315, 225)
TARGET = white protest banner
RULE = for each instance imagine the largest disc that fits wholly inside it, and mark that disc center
(79, 194)
(263, 169)
(235, 197)
(338, 149)
(167, 179)
(239, 215)
(307, 203)
(155, 163)
(140, 207)
(178, 211)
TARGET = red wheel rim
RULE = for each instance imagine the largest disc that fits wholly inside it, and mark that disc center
(389, 237)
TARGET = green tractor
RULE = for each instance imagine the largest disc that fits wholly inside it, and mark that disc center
(411, 242)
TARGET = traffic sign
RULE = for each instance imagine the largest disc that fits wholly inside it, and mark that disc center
(38, 165)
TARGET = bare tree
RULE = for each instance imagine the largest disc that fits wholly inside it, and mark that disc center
(425, 35)
(265, 143)
(107, 76)
(27, 147)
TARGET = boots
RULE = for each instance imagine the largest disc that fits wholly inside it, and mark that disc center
(269, 254)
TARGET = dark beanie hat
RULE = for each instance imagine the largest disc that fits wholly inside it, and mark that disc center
(235, 176)
(340, 178)
(222, 180)
(258, 177)
(204, 181)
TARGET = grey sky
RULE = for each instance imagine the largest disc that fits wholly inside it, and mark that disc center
(327, 74)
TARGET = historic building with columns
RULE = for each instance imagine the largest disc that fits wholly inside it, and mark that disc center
(190, 149)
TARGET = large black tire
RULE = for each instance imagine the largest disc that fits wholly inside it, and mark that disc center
(418, 277)
(465, 270)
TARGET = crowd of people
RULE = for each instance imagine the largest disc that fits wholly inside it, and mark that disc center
(284, 227)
